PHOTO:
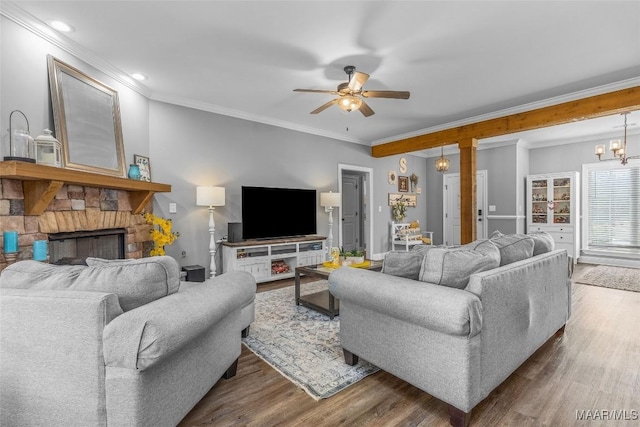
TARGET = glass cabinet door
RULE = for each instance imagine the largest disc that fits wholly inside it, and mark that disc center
(562, 201)
(539, 201)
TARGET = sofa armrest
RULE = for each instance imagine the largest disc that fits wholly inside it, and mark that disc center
(51, 360)
(142, 337)
(525, 303)
(539, 285)
(439, 308)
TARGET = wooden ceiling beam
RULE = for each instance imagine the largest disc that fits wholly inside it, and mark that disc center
(591, 107)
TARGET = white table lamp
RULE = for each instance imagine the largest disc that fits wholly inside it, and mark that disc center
(211, 197)
(329, 201)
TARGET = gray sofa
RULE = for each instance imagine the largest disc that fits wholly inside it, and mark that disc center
(457, 344)
(118, 343)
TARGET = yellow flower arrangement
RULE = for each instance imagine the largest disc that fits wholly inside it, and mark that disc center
(161, 233)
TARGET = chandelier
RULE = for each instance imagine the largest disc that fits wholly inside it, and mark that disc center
(618, 147)
(442, 163)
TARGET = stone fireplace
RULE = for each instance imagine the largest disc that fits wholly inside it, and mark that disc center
(80, 210)
(40, 202)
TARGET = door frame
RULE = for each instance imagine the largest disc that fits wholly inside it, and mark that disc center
(368, 197)
(482, 204)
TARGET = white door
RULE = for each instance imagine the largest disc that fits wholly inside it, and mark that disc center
(351, 216)
(451, 206)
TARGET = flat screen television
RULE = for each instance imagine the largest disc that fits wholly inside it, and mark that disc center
(269, 213)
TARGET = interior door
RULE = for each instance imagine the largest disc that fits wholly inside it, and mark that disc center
(451, 191)
(351, 202)
(451, 205)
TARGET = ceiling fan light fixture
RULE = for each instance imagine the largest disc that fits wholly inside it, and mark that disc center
(349, 103)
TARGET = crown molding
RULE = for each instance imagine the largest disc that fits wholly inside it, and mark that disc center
(212, 108)
(599, 90)
(14, 13)
(595, 138)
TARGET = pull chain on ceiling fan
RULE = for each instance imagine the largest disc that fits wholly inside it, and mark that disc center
(350, 94)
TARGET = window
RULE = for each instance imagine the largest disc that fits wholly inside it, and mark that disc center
(612, 205)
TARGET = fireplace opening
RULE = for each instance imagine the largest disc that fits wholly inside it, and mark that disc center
(73, 247)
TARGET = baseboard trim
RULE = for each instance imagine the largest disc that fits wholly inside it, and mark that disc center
(616, 262)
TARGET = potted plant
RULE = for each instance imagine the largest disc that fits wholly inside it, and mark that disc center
(355, 256)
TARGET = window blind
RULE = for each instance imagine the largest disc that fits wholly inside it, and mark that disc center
(614, 206)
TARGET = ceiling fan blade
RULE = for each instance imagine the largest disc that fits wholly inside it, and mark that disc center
(386, 94)
(357, 81)
(331, 92)
(325, 106)
(366, 110)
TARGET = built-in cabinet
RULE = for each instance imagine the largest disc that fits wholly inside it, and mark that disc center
(553, 206)
(273, 259)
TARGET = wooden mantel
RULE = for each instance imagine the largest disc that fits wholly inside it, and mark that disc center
(41, 184)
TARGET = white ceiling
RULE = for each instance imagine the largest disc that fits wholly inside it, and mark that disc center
(461, 60)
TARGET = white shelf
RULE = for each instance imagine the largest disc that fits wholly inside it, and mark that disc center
(295, 252)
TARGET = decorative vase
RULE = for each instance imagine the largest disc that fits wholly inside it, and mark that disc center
(134, 172)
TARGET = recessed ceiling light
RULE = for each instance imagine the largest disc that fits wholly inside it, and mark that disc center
(60, 26)
(139, 76)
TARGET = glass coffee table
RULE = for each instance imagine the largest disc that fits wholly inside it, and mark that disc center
(323, 301)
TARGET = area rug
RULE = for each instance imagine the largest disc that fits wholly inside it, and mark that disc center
(627, 279)
(302, 344)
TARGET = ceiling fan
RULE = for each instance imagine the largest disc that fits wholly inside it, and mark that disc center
(350, 94)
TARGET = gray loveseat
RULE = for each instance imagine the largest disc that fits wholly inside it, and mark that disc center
(115, 343)
(457, 344)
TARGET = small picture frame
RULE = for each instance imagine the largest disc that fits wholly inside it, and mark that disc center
(144, 165)
(403, 184)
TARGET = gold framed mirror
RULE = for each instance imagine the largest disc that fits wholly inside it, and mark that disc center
(86, 115)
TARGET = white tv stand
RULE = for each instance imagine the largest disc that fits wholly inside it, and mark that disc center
(265, 258)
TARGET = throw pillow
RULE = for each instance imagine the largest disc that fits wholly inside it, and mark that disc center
(403, 264)
(135, 282)
(485, 247)
(453, 266)
(542, 242)
(37, 275)
(513, 247)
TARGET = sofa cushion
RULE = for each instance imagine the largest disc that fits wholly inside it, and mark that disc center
(453, 266)
(37, 275)
(513, 247)
(485, 247)
(135, 282)
(542, 242)
(403, 264)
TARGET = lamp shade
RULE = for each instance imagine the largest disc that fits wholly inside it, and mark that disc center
(330, 199)
(210, 196)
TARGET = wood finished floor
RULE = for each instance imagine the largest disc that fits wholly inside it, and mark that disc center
(595, 365)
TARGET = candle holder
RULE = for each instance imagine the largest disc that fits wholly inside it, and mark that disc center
(10, 258)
